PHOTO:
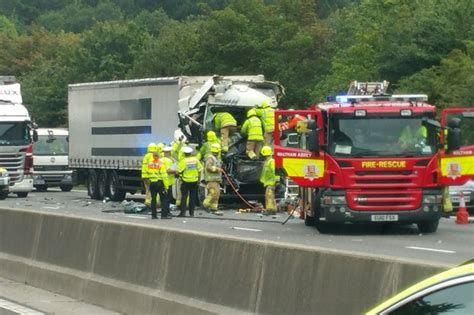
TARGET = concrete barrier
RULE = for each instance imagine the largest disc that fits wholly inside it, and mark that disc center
(139, 269)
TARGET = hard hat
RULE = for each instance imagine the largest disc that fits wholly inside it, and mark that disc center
(151, 148)
(187, 150)
(265, 104)
(251, 112)
(159, 147)
(215, 148)
(211, 136)
(167, 149)
(266, 151)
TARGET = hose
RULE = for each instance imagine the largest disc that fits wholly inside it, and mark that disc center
(235, 190)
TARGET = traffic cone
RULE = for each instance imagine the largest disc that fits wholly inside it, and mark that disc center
(462, 215)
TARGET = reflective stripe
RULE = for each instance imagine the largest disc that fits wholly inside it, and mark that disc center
(268, 177)
(306, 168)
(157, 170)
(189, 168)
(224, 120)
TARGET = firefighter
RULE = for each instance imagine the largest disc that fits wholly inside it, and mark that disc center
(159, 148)
(413, 135)
(169, 181)
(226, 124)
(267, 116)
(177, 154)
(158, 173)
(213, 178)
(146, 172)
(188, 169)
(205, 149)
(252, 128)
(269, 180)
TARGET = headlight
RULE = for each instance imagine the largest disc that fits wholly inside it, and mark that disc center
(433, 199)
(335, 200)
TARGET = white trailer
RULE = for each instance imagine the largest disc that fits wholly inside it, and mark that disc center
(111, 123)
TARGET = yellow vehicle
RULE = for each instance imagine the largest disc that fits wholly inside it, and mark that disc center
(449, 292)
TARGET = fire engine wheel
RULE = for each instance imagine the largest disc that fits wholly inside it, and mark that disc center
(309, 221)
(428, 226)
(113, 183)
(102, 188)
(92, 184)
(321, 226)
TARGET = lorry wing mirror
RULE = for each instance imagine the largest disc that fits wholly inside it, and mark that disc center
(454, 134)
(313, 141)
(35, 135)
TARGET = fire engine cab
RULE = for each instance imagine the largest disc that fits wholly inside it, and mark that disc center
(375, 158)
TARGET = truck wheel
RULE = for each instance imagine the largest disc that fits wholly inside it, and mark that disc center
(92, 184)
(309, 221)
(3, 195)
(113, 183)
(428, 226)
(41, 188)
(22, 194)
(66, 187)
(102, 187)
(321, 226)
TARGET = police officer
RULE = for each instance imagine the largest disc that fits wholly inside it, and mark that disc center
(267, 116)
(170, 179)
(269, 180)
(188, 169)
(213, 178)
(226, 124)
(252, 128)
(158, 172)
(145, 174)
(205, 149)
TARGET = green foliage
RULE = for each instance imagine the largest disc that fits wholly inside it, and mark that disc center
(7, 27)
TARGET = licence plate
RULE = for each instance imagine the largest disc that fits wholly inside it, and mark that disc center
(384, 217)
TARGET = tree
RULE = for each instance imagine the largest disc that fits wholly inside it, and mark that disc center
(7, 27)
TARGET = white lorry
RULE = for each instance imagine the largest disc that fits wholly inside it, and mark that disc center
(16, 133)
(50, 160)
(111, 124)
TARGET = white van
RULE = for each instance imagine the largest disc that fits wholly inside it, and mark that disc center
(50, 160)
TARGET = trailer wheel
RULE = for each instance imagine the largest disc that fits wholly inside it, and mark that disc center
(102, 187)
(113, 183)
(92, 184)
(428, 226)
(3, 195)
(22, 194)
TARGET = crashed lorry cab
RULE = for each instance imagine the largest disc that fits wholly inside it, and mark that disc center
(50, 160)
(111, 124)
(379, 159)
(16, 137)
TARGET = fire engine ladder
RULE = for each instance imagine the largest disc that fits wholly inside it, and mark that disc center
(367, 88)
(292, 190)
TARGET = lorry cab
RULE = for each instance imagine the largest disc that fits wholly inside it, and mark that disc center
(50, 160)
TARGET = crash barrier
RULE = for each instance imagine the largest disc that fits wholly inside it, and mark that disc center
(143, 269)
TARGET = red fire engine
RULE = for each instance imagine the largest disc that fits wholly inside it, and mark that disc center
(375, 158)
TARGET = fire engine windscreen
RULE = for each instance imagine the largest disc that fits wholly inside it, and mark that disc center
(381, 136)
(46, 145)
(14, 133)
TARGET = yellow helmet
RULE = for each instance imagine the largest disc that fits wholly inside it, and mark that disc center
(251, 112)
(159, 147)
(265, 104)
(151, 148)
(215, 148)
(211, 136)
(266, 151)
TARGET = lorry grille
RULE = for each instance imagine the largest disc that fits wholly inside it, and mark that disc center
(13, 163)
(51, 168)
(383, 179)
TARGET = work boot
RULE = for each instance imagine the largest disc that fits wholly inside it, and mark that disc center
(191, 214)
(182, 214)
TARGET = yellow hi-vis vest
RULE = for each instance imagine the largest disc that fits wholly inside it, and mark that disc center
(158, 170)
(168, 181)
(252, 127)
(224, 120)
(267, 116)
(189, 168)
(146, 159)
(205, 150)
(268, 177)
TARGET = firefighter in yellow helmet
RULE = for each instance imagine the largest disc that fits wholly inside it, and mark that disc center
(267, 116)
(145, 174)
(213, 178)
(205, 149)
(189, 169)
(252, 129)
(269, 180)
(226, 124)
(159, 148)
(170, 179)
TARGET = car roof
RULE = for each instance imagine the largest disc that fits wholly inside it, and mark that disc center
(463, 270)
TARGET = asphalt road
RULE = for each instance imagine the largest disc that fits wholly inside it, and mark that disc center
(452, 244)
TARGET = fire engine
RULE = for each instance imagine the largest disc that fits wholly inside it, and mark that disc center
(375, 157)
